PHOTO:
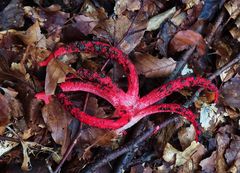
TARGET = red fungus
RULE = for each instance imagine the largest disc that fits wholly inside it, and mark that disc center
(129, 107)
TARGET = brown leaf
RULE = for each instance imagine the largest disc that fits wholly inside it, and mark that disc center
(117, 31)
(33, 35)
(183, 39)
(4, 111)
(56, 73)
(93, 109)
(231, 93)
(57, 121)
(151, 66)
(186, 136)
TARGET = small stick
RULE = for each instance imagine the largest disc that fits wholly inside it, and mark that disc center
(133, 144)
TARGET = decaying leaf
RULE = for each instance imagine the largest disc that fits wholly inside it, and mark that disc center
(186, 136)
(56, 73)
(235, 33)
(183, 39)
(12, 16)
(191, 3)
(26, 164)
(151, 66)
(189, 158)
(85, 24)
(4, 111)
(233, 8)
(130, 5)
(33, 35)
(155, 22)
(208, 164)
(122, 32)
(231, 93)
(57, 121)
(6, 146)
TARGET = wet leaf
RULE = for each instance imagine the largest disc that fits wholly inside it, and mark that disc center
(183, 39)
(56, 73)
(151, 66)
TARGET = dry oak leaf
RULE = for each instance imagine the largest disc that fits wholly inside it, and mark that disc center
(56, 73)
(183, 39)
(151, 66)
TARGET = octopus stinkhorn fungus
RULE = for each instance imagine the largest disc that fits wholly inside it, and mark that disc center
(129, 107)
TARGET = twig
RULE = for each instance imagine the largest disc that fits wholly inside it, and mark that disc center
(181, 63)
(73, 144)
(127, 158)
(215, 29)
(5, 138)
(213, 76)
(132, 145)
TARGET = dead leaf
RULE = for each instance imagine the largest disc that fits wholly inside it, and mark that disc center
(183, 39)
(233, 8)
(33, 35)
(189, 158)
(57, 121)
(4, 111)
(231, 93)
(186, 135)
(155, 22)
(93, 108)
(190, 3)
(209, 164)
(121, 32)
(12, 16)
(56, 73)
(26, 164)
(225, 52)
(130, 5)
(232, 153)
(151, 66)
(85, 24)
(235, 33)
